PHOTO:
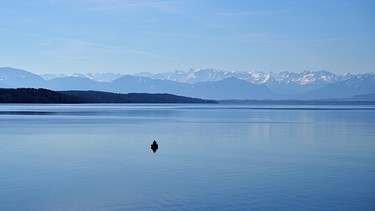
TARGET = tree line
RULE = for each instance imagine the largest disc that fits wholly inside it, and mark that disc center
(31, 95)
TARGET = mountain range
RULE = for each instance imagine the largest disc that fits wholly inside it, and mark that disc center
(205, 83)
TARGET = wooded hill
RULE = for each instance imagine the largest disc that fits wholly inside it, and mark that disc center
(30, 95)
(108, 97)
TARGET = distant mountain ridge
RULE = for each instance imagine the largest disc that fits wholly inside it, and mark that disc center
(203, 75)
(101, 77)
(205, 83)
(284, 83)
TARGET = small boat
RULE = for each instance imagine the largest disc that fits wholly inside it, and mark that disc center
(154, 146)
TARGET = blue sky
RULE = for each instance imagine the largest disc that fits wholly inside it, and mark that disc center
(128, 36)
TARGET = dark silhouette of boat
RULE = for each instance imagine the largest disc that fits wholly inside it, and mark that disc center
(154, 146)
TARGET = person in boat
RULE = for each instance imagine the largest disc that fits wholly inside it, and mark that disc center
(154, 146)
(154, 143)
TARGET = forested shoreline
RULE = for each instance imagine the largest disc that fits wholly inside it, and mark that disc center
(31, 95)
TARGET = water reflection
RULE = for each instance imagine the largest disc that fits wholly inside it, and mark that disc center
(215, 157)
(154, 146)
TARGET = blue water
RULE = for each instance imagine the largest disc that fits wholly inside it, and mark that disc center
(210, 157)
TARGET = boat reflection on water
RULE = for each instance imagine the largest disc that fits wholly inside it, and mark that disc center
(154, 146)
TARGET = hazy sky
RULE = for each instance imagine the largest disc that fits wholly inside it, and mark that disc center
(127, 36)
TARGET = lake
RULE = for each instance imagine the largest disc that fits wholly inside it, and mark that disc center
(210, 157)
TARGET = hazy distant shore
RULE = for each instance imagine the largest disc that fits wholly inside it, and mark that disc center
(299, 102)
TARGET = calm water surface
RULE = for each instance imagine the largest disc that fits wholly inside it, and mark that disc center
(210, 157)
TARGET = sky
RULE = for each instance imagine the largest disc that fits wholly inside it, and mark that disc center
(129, 36)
